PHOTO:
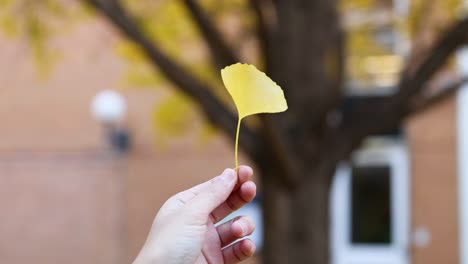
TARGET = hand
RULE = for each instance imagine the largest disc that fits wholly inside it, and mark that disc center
(184, 230)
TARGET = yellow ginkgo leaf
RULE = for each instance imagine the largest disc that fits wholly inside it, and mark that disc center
(253, 92)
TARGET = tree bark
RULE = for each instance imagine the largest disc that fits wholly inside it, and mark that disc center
(311, 221)
(297, 219)
(276, 215)
(296, 222)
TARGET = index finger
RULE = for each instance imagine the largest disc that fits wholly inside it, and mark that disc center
(243, 193)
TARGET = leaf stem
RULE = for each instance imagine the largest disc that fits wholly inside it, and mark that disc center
(237, 145)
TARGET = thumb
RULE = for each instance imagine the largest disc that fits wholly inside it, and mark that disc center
(213, 194)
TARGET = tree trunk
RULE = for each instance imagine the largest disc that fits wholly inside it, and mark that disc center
(277, 220)
(296, 226)
(304, 60)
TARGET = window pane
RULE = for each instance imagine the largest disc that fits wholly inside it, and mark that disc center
(370, 205)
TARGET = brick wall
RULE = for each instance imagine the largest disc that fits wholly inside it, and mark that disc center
(432, 144)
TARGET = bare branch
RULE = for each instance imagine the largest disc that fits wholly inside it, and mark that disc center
(444, 93)
(376, 120)
(263, 30)
(222, 55)
(214, 110)
(455, 37)
(371, 119)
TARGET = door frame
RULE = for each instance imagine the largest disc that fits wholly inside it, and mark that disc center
(395, 155)
(462, 155)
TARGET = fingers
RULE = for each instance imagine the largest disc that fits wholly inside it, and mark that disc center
(180, 199)
(211, 194)
(245, 173)
(236, 200)
(234, 229)
(243, 195)
(239, 251)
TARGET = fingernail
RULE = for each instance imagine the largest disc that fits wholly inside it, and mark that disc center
(242, 227)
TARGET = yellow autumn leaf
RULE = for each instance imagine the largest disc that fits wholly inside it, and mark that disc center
(253, 92)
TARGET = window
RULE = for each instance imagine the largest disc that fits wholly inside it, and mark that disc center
(370, 205)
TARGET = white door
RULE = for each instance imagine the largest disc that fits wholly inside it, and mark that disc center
(370, 208)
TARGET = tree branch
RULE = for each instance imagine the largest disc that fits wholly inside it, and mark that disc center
(214, 110)
(375, 118)
(423, 104)
(455, 37)
(263, 31)
(222, 55)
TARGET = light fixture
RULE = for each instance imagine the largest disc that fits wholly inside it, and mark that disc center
(110, 108)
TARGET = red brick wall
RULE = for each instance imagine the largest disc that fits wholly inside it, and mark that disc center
(60, 208)
(432, 143)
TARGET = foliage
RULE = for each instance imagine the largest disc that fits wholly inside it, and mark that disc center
(370, 54)
(371, 60)
(37, 22)
(167, 23)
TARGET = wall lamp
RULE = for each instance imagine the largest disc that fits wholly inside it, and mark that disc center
(109, 108)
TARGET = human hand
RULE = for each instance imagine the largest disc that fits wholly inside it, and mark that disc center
(184, 230)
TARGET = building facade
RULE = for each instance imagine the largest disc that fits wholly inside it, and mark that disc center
(68, 197)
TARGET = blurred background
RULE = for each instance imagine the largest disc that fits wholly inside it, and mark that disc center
(96, 133)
